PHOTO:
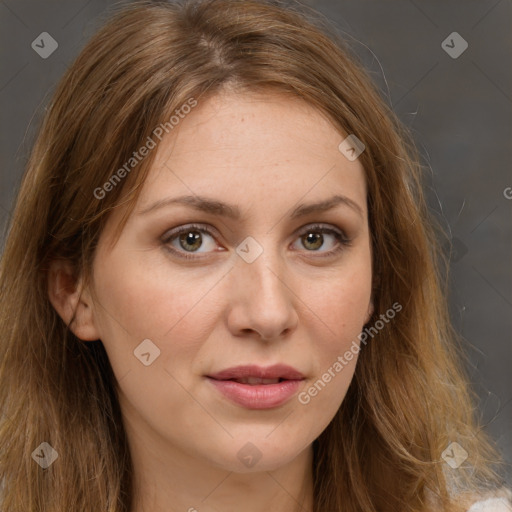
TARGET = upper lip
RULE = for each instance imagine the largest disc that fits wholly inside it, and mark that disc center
(277, 371)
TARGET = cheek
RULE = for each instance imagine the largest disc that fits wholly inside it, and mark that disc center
(340, 314)
(335, 351)
(342, 306)
(138, 300)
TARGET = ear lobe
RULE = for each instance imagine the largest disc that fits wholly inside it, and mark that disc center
(71, 302)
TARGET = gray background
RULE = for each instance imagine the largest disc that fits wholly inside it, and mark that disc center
(459, 110)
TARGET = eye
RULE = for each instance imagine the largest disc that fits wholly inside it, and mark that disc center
(190, 238)
(314, 238)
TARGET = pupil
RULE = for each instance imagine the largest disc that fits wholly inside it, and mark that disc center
(312, 238)
(190, 239)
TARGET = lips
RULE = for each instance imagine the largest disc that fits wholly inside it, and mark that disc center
(252, 374)
(255, 380)
(254, 387)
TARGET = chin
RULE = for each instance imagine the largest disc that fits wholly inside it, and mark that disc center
(255, 457)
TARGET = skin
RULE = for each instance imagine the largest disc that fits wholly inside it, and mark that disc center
(290, 305)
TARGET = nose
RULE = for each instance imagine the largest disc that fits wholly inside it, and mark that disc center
(262, 302)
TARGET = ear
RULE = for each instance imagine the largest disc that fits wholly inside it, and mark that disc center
(67, 297)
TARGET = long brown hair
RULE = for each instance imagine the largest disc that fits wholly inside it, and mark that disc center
(409, 398)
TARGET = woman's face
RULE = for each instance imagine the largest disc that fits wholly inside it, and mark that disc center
(259, 279)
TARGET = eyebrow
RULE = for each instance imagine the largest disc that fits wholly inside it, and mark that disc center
(214, 207)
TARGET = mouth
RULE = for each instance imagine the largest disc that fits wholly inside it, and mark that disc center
(254, 381)
(252, 374)
(255, 387)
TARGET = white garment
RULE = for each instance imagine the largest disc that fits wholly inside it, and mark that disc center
(491, 505)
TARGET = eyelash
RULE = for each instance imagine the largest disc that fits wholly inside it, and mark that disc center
(318, 228)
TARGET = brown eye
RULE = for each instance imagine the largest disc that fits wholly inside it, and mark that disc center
(316, 237)
(189, 239)
(314, 240)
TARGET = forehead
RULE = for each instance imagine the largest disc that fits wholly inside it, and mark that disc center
(254, 148)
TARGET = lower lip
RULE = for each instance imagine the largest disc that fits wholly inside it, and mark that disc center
(258, 396)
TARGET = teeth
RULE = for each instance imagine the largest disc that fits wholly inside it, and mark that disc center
(256, 380)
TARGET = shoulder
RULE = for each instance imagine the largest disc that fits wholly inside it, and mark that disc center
(481, 500)
(491, 505)
(500, 501)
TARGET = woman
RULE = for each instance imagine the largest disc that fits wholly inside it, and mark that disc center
(303, 358)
